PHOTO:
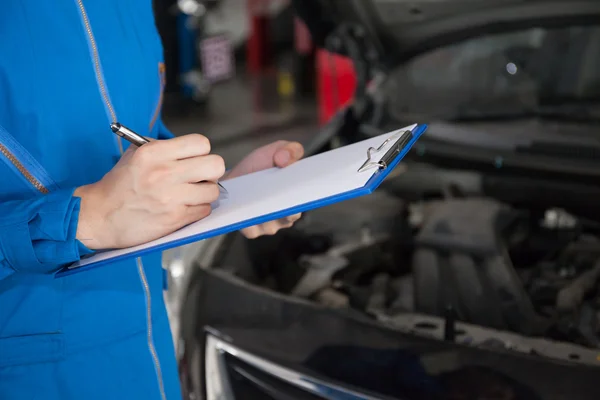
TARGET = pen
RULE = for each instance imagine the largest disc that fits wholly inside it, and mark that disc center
(128, 134)
(136, 139)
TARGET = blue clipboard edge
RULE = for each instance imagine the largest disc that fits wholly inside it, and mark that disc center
(371, 185)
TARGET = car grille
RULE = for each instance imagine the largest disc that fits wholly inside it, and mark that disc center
(233, 374)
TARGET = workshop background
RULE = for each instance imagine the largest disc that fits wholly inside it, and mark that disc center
(241, 72)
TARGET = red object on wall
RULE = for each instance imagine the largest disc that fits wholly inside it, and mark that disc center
(257, 51)
(336, 83)
(302, 38)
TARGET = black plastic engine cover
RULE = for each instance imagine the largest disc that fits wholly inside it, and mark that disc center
(462, 262)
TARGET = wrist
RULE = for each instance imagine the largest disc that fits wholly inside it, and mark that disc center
(90, 227)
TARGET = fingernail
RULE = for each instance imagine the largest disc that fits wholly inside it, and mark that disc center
(284, 157)
(298, 150)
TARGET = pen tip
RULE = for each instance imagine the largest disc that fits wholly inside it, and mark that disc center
(115, 126)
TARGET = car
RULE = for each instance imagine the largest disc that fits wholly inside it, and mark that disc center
(473, 271)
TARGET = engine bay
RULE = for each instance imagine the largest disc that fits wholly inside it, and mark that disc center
(455, 266)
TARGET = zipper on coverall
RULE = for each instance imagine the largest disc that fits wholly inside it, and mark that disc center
(113, 119)
(21, 168)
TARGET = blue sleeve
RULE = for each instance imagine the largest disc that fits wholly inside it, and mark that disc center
(39, 235)
(163, 131)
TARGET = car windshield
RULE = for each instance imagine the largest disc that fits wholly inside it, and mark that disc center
(535, 72)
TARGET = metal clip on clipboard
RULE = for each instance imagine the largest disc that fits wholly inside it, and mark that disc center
(388, 157)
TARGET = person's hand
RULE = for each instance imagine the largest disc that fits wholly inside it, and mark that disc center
(151, 192)
(278, 154)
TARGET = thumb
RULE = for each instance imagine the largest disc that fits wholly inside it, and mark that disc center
(287, 153)
(277, 154)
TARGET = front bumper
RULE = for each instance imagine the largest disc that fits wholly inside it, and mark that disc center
(237, 338)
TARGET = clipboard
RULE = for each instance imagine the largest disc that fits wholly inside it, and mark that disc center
(334, 176)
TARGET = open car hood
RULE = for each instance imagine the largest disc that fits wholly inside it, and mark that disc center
(560, 143)
(400, 29)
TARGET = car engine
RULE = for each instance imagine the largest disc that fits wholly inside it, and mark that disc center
(458, 267)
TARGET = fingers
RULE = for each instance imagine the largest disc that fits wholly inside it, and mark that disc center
(178, 148)
(195, 194)
(294, 218)
(204, 168)
(267, 229)
(270, 228)
(288, 153)
(196, 213)
(252, 232)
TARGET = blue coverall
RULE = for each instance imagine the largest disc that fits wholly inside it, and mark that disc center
(68, 68)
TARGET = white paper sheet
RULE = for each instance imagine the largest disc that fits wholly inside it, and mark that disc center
(274, 190)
